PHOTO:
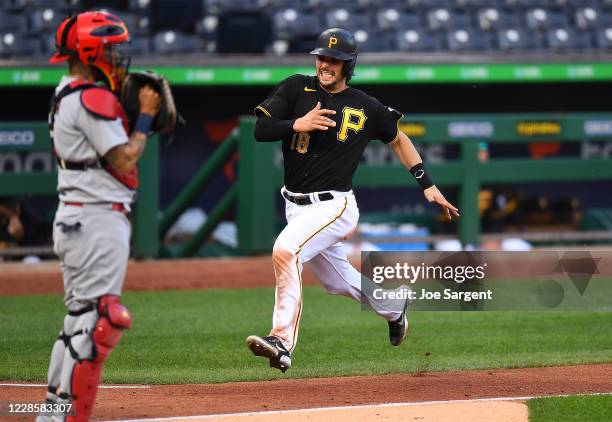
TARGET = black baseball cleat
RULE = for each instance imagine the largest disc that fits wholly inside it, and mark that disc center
(399, 328)
(272, 348)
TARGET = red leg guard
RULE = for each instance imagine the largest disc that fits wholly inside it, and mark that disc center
(114, 318)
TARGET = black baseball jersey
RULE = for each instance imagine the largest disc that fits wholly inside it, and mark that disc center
(324, 160)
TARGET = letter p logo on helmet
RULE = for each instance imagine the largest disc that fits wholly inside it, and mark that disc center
(332, 41)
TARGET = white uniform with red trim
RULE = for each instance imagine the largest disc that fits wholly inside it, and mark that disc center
(94, 256)
(91, 235)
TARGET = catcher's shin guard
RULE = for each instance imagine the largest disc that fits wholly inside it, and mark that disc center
(55, 367)
(73, 344)
(113, 319)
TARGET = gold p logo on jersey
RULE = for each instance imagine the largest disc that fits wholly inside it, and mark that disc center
(332, 41)
(352, 119)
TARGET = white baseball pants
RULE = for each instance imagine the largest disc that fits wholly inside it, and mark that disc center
(313, 235)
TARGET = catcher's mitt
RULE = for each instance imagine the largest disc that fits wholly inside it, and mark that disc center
(166, 119)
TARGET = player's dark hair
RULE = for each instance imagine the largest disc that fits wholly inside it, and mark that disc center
(349, 68)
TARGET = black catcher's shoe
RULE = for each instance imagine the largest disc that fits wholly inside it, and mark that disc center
(272, 348)
(399, 328)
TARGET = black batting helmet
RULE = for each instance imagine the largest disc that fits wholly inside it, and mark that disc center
(339, 44)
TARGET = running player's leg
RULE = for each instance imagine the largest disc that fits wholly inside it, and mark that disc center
(311, 229)
(333, 269)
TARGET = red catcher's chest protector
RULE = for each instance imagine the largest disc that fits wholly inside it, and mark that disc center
(102, 104)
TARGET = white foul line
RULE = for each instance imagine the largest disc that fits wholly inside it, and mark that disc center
(361, 406)
(117, 386)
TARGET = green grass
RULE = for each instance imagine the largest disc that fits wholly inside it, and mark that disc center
(199, 336)
(571, 409)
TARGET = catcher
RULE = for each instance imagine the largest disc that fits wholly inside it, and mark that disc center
(97, 148)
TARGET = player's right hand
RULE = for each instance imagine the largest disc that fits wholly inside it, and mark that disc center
(150, 101)
(315, 119)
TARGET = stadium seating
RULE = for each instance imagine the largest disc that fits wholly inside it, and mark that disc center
(206, 28)
(603, 38)
(289, 23)
(542, 19)
(15, 6)
(589, 18)
(139, 46)
(175, 42)
(417, 40)
(427, 4)
(395, 19)
(13, 22)
(243, 32)
(468, 40)
(370, 42)
(344, 18)
(45, 20)
(291, 26)
(517, 39)
(294, 31)
(219, 6)
(137, 25)
(477, 4)
(19, 45)
(444, 19)
(180, 15)
(491, 18)
(567, 39)
(99, 4)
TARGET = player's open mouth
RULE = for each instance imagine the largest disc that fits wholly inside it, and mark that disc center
(326, 76)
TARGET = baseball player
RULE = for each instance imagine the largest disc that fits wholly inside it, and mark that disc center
(97, 178)
(325, 125)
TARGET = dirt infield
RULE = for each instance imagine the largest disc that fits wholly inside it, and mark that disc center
(214, 399)
(20, 279)
(208, 399)
(46, 277)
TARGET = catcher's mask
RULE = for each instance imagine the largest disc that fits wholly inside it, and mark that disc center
(96, 39)
(339, 44)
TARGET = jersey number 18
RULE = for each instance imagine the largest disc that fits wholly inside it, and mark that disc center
(300, 142)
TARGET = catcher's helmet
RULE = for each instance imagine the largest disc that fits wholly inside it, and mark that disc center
(339, 44)
(94, 39)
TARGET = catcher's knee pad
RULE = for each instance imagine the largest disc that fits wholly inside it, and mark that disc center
(113, 319)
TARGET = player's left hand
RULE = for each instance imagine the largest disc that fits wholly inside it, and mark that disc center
(433, 194)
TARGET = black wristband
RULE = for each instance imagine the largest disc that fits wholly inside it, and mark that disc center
(421, 176)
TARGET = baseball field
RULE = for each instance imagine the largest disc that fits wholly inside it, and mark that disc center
(186, 355)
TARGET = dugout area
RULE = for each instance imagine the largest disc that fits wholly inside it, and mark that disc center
(562, 143)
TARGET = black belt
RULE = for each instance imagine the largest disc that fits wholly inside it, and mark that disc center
(82, 311)
(81, 166)
(305, 199)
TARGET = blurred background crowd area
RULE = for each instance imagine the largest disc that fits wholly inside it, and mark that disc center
(277, 27)
(230, 42)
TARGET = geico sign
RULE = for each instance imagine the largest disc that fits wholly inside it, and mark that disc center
(32, 162)
(16, 137)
